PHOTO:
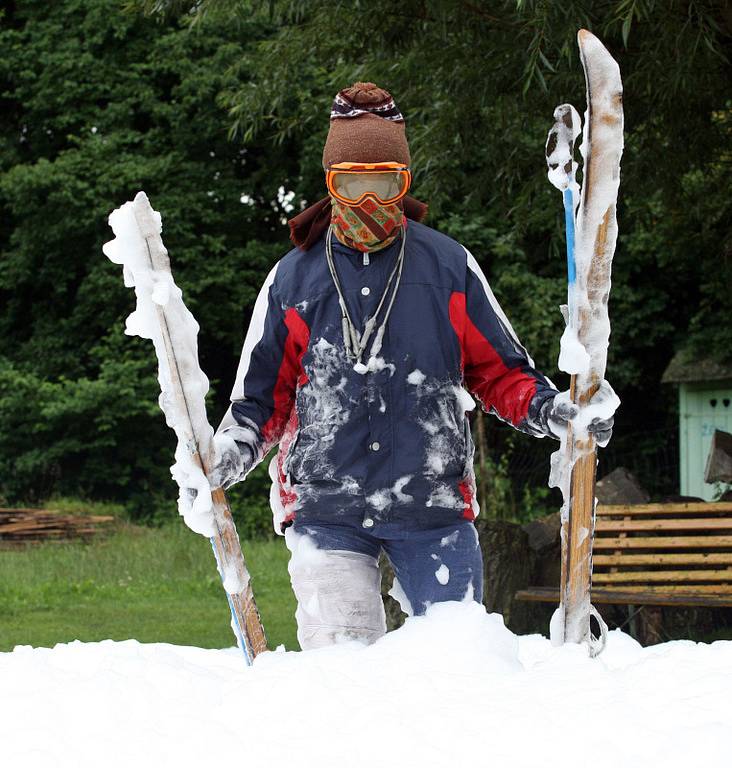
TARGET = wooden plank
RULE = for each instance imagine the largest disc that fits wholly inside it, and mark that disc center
(623, 597)
(685, 558)
(538, 595)
(663, 542)
(691, 508)
(678, 589)
(678, 524)
(663, 576)
(611, 597)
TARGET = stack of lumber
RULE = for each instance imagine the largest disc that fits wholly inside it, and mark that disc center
(28, 525)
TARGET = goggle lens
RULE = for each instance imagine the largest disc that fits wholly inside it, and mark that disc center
(352, 183)
(385, 186)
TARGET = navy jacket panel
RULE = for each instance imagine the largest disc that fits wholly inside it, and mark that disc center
(392, 444)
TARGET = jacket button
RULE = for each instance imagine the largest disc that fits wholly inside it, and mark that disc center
(368, 522)
(375, 445)
(365, 291)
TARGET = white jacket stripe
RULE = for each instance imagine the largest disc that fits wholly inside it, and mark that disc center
(478, 272)
(253, 337)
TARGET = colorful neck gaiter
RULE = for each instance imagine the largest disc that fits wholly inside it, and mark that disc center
(369, 227)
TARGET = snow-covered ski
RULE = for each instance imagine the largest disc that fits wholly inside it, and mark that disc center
(162, 316)
(585, 341)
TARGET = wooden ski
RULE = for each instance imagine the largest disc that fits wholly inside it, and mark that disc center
(183, 389)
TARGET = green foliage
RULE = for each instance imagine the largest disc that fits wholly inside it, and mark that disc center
(499, 496)
(100, 437)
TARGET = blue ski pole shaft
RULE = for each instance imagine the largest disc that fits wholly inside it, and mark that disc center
(246, 622)
(569, 222)
(235, 623)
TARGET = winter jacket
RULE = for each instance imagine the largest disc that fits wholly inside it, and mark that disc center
(394, 444)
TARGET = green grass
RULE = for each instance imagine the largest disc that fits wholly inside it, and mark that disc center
(151, 584)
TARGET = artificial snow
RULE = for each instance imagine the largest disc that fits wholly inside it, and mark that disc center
(465, 399)
(562, 166)
(383, 498)
(598, 201)
(416, 377)
(602, 406)
(397, 593)
(442, 574)
(232, 581)
(453, 688)
(447, 541)
(160, 301)
(573, 357)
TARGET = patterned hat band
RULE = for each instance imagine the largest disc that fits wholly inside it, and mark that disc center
(366, 126)
(344, 107)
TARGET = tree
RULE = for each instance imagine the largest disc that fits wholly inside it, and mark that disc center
(88, 118)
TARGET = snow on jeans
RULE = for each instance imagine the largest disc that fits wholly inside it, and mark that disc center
(336, 579)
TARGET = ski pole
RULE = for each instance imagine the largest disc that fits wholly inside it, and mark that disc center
(562, 168)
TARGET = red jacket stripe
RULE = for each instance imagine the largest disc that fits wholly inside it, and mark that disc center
(290, 373)
(507, 390)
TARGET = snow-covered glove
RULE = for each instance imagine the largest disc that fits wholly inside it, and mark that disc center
(231, 463)
(597, 417)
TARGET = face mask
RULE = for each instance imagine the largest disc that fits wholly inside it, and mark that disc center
(367, 227)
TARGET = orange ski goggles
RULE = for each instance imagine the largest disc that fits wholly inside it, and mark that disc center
(352, 183)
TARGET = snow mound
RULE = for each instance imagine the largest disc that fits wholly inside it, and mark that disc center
(453, 688)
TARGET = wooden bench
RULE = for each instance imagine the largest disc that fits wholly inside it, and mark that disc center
(658, 554)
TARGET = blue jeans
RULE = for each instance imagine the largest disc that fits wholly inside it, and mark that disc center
(431, 565)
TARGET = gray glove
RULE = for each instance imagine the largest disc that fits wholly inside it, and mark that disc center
(233, 461)
(554, 416)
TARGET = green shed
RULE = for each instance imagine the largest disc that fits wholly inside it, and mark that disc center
(705, 404)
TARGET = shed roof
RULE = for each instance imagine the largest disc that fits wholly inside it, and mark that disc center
(685, 367)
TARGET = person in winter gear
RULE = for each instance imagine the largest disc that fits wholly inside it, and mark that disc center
(367, 344)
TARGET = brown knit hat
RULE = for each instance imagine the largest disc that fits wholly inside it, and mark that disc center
(365, 127)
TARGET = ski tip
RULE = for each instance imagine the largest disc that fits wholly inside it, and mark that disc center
(598, 62)
(591, 44)
(583, 35)
(147, 218)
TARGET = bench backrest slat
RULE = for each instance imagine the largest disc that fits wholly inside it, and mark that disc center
(662, 576)
(664, 524)
(677, 589)
(663, 542)
(661, 510)
(665, 558)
